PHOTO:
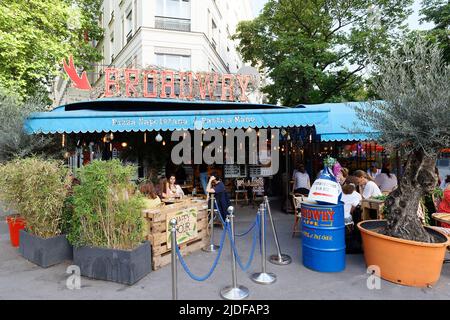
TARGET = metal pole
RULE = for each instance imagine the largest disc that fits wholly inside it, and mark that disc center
(211, 247)
(233, 292)
(263, 277)
(279, 258)
(173, 224)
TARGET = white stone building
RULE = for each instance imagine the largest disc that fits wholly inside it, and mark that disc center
(178, 34)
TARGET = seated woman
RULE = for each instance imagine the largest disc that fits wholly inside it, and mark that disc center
(218, 188)
(173, 190)
(151, 198)
(351, 200)
(444, 205)
(370, 189)
(386, 180)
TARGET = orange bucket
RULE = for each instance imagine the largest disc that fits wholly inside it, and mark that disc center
(15, 224)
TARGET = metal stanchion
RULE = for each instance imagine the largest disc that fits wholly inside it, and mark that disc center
(279, 258)
(233, 292)
(173, 224)
(211, 247)
(263, 277)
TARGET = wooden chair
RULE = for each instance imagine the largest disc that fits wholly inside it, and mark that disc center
(240, 189)
(258, 187)
(297, 199)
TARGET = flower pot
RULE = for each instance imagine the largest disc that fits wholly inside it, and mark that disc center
(405, 262)
(120, 266)
(15, 224)
(44, 252)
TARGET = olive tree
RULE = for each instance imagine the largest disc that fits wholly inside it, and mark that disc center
(14, 140)
(413, 115)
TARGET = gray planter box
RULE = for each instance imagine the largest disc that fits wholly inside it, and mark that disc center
(120, 266)
(44, 252)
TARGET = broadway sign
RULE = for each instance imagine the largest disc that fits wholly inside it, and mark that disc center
(155, 83)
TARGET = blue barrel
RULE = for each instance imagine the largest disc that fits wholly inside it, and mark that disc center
(323, 237)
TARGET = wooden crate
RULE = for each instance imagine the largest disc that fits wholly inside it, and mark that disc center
(157, 234)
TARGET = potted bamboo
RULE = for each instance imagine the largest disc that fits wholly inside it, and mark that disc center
(413, 116)
(106, 227)
(37, 188)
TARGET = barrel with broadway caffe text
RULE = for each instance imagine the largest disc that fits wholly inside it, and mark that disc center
(323, 237)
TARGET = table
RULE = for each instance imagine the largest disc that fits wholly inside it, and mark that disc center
(441, 217)
(372, 204)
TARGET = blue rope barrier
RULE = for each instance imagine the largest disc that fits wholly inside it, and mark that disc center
(216, 260)
(252, 251)
(251, 228)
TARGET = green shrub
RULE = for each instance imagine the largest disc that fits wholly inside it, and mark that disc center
(36, 189)
(105, 213)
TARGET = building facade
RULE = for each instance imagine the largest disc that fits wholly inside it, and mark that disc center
(191, 35)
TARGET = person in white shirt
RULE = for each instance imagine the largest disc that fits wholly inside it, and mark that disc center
(370, 189)
(386, 180)
(302, 183)
(373, 171)
(351, 200)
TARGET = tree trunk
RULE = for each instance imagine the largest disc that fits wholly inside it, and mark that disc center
(418, 180)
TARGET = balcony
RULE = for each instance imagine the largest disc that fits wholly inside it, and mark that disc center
(172, 24)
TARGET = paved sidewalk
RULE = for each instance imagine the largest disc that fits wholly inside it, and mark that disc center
(20, 279)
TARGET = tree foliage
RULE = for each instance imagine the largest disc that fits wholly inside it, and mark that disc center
(14, 140)
(438, 12)
(35, 35)
(415, 111)
(316, 50)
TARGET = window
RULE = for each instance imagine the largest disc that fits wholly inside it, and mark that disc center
(173, 15)
(129, 26)
(111, 19)
(172, 61)
(214, 34)
(111, 46)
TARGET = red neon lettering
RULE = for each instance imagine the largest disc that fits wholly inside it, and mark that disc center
(165, 84)
(206, 85)
(111, 82)
(243, 84)
(226, 77)
(129, 84)
(154, 75)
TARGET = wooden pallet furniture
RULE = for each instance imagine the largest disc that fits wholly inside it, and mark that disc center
(156, 230)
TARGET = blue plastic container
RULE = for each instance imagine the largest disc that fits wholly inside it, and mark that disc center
(323, 237)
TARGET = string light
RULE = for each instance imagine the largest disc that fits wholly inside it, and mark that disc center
(124, 144)
(63, 140)
(163, 143)
(145, 137)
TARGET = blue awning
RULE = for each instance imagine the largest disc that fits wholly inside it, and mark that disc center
(82, 121)
(343, 124)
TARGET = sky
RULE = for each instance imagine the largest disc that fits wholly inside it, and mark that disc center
(413, 20)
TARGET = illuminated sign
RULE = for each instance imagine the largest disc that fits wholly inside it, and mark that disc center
(155, 83)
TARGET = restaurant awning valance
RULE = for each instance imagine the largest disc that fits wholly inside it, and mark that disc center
(60, 120)
(343, 124)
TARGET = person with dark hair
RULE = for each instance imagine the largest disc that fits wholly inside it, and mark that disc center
(302, 182)
(174, 190)
(152, 200)
(386, 180)
(351, 200)
(370, 189)
(218, 188)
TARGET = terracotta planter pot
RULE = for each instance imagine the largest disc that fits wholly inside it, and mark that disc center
(401, 261)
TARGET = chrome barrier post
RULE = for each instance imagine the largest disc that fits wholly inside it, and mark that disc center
(263, 277)
(173, 224)
(279, 258)
(211, 247)
(233, 292)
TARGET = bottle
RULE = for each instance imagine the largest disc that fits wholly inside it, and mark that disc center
(194, 192)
